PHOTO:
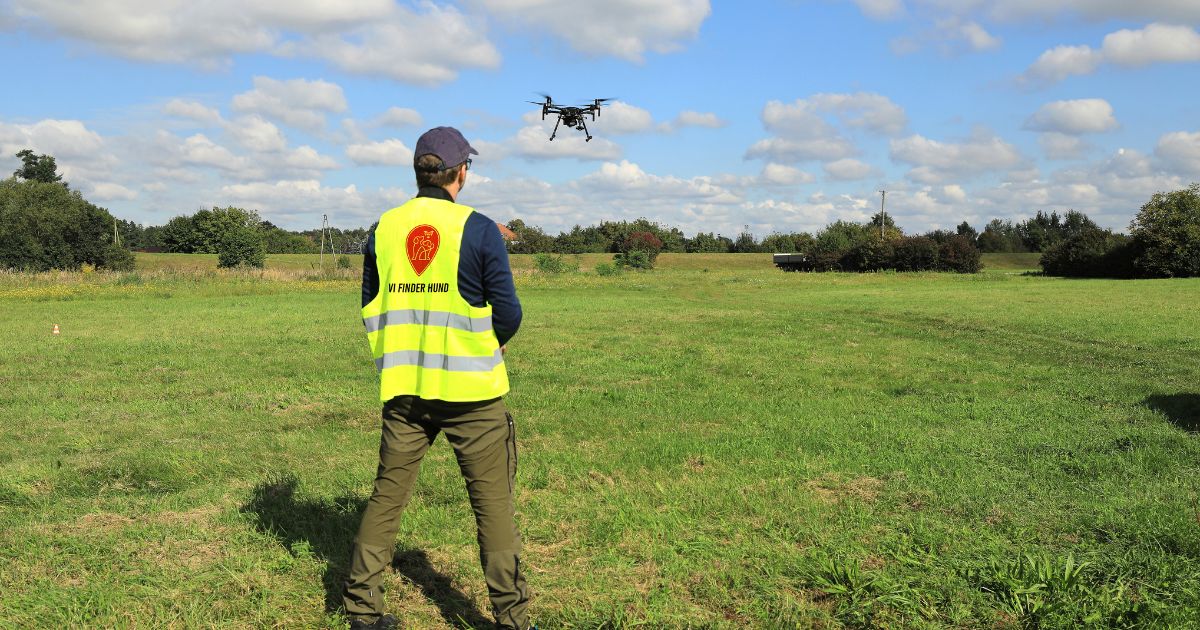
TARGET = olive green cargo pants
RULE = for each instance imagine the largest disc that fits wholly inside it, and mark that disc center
(483, 437)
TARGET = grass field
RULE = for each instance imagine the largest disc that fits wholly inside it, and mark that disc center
(714, 444)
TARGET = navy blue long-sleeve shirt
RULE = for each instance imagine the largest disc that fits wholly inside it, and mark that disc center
(484, 276)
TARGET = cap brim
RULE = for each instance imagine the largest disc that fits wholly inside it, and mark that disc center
(472, 150)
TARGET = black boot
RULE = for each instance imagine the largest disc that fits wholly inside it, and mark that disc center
(386, 622)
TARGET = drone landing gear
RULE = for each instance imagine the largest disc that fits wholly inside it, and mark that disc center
(555, 132)
(583, 127)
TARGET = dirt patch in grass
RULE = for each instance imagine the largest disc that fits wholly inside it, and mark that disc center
(833, 489)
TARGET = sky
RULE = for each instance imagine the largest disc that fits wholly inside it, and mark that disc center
(767, 116)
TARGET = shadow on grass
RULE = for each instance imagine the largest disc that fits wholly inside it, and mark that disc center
(1183, 410)
(326, 528)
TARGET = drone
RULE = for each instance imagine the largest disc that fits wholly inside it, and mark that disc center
(571, 116)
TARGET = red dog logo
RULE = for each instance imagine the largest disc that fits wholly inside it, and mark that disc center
(422, 243)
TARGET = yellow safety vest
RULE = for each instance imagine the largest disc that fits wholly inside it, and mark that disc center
(426, 339)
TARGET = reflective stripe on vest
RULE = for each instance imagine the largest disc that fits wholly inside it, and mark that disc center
(426, 339)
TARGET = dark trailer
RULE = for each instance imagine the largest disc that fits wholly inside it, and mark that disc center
(792, 262)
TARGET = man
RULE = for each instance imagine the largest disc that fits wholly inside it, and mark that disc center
(439, 306)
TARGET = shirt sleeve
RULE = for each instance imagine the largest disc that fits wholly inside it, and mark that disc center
(370, 275)
(484, 276)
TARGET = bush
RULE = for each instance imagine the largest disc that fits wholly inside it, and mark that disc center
(550, 263)
(636, 259)
(1090, 253)
(644, 242)
(117, 258)
(343, 262)
(1167, 235)
(242, 247)
(871, 255)
(916, 253)
(959, 253)
(607, 269)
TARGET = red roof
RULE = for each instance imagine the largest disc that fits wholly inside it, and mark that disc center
(508, 234)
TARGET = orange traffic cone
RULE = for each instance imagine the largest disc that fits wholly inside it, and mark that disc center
(55, 331)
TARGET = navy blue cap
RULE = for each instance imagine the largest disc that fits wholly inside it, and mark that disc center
(445, 142)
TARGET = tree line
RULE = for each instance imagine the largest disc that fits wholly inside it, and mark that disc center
(46, 225)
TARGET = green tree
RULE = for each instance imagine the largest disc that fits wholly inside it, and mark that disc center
(964, 229)
(745, 243)
(38, 168)
(708, 243)
(44, 226)
(1166, 233)
(242, 246)
(530, 239)
(1000, 236)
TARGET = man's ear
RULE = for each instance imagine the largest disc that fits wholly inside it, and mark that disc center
(462, 175)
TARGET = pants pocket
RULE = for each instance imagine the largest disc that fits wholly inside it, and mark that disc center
(511, 448)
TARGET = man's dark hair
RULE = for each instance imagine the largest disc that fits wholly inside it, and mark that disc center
(431, 171)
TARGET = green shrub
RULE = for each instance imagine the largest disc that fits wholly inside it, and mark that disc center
(117, 258)
(242, 247)
(1167, 235)
(607, 269)
(959, 253)
(343, 262)
(915, 253)
(872, 254)
(636, 259)
(646, 244)
(1090, 253)
(551, 263)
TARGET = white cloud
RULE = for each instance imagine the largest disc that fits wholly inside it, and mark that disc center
(109, 191)
(1011, 10)
(792, 151)
(192, 110)
(950, 36)
(848, 169)
(973, 34)
(935, 162)
(303, 201)
(1180, 151)
(1061, 146)
(424, 48)
(627, 180)
(881, 9)
(803, 133)
(783, 175)
(398, 117)
(1091, 115)
(199, 150)
(296, 102)
(60, 138)
(688, 118)
(1061, 62)
(626, 29)
(390, 152)
(256, 134)
(305, 160)
(533, 142)
(376, 37)
(874, 112)
(1156, 43)
(619, 117)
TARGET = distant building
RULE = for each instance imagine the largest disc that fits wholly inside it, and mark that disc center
(508, 234)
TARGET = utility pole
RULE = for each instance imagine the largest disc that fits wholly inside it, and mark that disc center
(882, 212)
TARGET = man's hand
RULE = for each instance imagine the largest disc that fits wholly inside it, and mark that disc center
(503, 349)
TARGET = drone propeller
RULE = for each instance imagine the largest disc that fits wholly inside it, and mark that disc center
(545, 96)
